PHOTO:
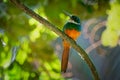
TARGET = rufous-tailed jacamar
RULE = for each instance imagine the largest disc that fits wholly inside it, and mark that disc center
(73, 29)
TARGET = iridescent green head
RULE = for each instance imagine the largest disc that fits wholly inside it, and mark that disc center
(75, 19)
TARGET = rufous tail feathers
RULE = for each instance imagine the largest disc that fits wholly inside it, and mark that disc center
(65, 56)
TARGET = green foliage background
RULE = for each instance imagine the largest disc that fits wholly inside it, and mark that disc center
(25, 44)
(111, 35)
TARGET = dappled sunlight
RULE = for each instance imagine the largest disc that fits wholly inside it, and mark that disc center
(63, 17)
(110, 38)
(5, 62)
(35, 34)
(111, 35)
(33, 22)
(39, 31)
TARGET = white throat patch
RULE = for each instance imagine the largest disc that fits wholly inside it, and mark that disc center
(71, 21)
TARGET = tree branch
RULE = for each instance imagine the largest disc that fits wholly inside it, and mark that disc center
(52, 27)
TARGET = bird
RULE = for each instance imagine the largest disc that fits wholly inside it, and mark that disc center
(73, 29)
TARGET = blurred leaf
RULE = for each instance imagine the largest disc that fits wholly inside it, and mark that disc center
(111, 35)
(110, 38)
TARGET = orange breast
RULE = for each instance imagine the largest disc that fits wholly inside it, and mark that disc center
(73, 33)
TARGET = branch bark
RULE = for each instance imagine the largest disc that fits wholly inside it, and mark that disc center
(52, 27)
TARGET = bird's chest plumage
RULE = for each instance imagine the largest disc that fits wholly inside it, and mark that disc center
(72, 33)
(72, 30)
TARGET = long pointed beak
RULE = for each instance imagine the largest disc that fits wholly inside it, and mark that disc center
(66, 13)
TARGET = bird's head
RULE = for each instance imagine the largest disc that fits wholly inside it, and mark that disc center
(75, 19)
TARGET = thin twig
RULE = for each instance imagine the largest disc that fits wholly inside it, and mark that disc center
(60, 33)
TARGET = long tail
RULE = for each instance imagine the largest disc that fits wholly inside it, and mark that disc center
(65, 56)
